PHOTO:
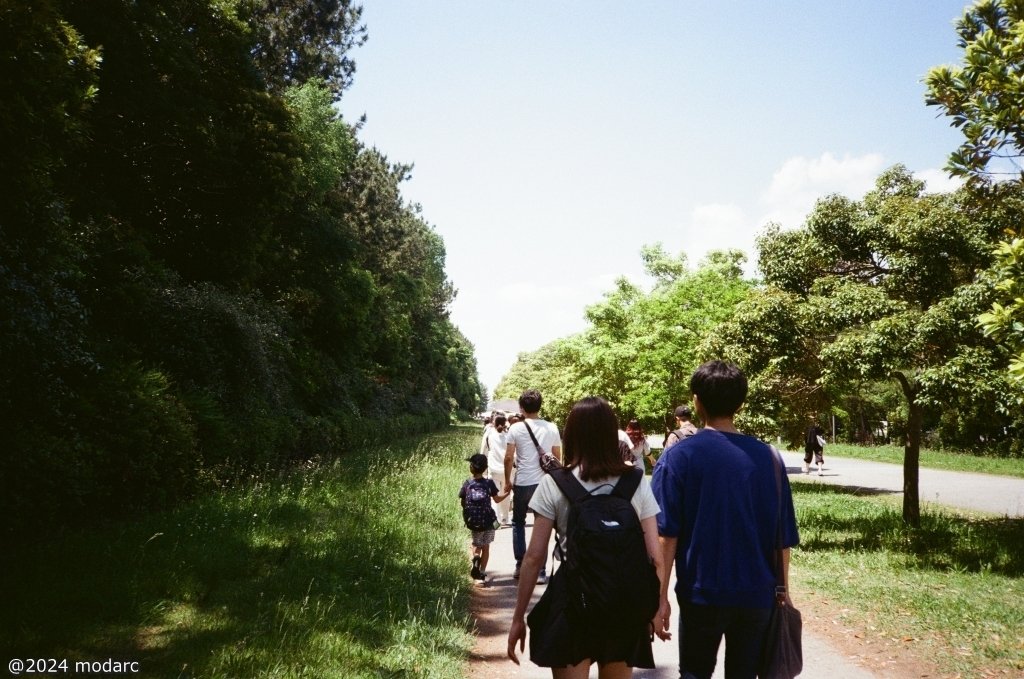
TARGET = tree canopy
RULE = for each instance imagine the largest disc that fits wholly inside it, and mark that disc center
(639, 348)
(204, 269)
(984, 97)
(884, 288)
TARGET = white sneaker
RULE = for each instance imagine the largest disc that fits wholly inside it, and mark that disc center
(821, 470)
(807, 468)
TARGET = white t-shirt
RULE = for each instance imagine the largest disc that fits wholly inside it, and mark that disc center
(551, 503)
(639, 451)
(528, 471)
(494, 448)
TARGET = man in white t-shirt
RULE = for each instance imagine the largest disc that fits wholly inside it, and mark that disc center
(522, 450)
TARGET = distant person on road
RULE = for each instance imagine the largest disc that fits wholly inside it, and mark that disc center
(475, 497)
(722, 499)
(814, 444)
(684, 427)
(495, 443)
(592, 455)
(634, 445)
(521, 451)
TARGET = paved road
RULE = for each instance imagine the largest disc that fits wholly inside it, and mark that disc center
(1000, 495)
(494, 602)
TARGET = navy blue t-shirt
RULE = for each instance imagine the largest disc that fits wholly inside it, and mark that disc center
(717, 495)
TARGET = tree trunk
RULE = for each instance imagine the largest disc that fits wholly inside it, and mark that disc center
(911, 454)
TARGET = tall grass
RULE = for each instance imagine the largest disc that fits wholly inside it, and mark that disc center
(351, 569)
(953, 587)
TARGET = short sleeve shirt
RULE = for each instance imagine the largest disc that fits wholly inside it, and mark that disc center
(551, 503)
(528, 471)
(717, 491)
(494, 448)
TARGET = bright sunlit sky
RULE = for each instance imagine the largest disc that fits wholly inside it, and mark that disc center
(552, 139)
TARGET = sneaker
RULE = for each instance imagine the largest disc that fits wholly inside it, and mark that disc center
(516, 574)
(542, 579)
(807, 468)
(475, 572)
(821, 471)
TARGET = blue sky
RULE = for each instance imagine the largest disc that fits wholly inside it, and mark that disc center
(551, 140)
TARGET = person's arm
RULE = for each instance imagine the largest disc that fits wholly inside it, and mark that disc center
(660, 623)
(510, 456)
(785, 574)
(663, 623)
(532, 562)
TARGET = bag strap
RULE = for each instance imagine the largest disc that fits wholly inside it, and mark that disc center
(540, 451)
(627, 484)
(569, 485)
(780, 585)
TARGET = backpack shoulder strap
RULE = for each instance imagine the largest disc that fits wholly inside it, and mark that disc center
(627, 484)
(569, 485)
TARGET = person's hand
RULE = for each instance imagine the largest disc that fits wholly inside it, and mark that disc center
(663, 621)
(516, 633)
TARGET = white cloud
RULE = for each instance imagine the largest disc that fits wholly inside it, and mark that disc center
(801, 181)
(523, 316)
(716, 226)
(938, 181)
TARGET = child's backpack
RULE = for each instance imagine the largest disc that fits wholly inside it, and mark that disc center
(612, 582)
(477, 512)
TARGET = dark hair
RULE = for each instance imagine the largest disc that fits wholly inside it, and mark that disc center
(530, 401)
(591, 440)
(499, 422)
(684, 412)
(721, 388)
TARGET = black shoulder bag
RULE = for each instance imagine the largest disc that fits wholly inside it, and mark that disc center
(782, 657)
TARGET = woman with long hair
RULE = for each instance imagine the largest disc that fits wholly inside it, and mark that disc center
(591, 454)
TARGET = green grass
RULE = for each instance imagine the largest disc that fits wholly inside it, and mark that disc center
(352, 569)
(357, 568)
(932, 459)
(954, 586)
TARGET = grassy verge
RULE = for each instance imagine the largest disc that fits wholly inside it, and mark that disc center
(351, 569)
(952, 588)
(932, 459)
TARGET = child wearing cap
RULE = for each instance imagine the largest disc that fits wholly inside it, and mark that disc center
(478, 512)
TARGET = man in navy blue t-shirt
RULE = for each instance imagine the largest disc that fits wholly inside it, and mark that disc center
(719, 521)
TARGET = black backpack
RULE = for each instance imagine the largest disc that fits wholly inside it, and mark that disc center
(612, 582)
(477, 512)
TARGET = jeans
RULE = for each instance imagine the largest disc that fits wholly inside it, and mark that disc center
(521, 496)
(700, 632)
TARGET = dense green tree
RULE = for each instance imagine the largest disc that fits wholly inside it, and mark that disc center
(984, 97)
(296, 41)
(886, 288)
(202, 268)
(556, 370)
(641, 346)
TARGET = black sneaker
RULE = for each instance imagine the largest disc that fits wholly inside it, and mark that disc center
(475, 571)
